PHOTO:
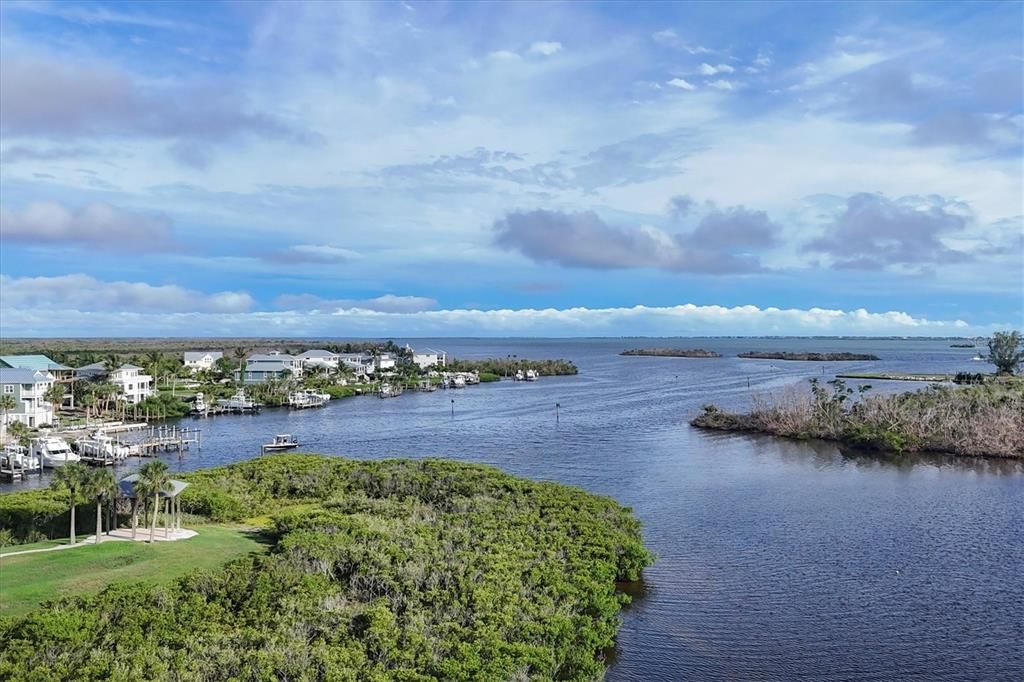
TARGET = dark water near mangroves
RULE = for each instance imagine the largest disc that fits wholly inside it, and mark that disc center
(776, 560)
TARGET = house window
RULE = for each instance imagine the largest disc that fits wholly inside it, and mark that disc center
(8, 388)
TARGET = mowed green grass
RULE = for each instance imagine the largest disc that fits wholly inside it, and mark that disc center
(28, 580)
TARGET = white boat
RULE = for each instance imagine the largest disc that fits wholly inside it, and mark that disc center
(531, 375)
(102, 446)
(53, 451)
(519, 376)
(459, 381)
(978, 358)
(307, 398)
(15, 459)
(200, 406)
(239, 403)
(282, 441)
(389, 391)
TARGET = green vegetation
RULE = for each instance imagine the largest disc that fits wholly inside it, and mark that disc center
(809, 357)
(506, 367)
(31, 579)
(977, 420)
(673, 352)
(487, 377)
(383, 570)
(897, 376)
(163, 404)
(1006, 351)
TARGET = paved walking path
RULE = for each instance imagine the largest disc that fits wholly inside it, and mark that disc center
(119, 534)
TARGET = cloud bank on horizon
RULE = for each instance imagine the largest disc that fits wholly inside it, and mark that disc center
(572, 169)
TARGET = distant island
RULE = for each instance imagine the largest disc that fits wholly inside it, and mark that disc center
(810, 357)
(673, 352)
(962, 345)
(982, 419)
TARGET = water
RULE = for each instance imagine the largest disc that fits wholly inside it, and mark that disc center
(776, 560)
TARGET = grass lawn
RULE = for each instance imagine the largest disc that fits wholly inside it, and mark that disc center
(30, 579)
(36, 545)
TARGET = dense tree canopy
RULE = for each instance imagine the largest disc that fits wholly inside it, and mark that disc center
(387, 570)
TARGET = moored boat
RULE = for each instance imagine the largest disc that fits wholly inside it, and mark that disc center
(53, 451)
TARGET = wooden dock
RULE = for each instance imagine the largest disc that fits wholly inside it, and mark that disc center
(169, 438)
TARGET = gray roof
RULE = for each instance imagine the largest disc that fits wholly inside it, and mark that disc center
(317, 353)
(127, 486)
(200, 354)
(17, 375)
(269, 357)
(102, 367)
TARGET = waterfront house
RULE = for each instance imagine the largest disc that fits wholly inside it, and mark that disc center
(429, 357)
(261, 367)
(28, 388)
(200, 360)
(361, 364)
(318, 359)
(386, 361)
(40, 363)
(133, 385)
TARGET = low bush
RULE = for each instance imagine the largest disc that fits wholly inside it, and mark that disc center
(402, 570)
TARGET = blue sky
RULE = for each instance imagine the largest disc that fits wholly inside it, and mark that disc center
(498, 169)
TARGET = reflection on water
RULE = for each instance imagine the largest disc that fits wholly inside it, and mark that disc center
(777, 560)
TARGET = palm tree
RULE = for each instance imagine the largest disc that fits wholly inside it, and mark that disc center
(7, 403)
(55, 396)
(153, 480)
(102, 487)
(72, 477)
(87, 401)
(112, 362)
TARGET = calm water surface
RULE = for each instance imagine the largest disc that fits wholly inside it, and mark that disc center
(776, 560)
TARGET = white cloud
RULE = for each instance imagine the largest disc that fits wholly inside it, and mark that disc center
(504, 55)
(311, 253)
(681, 84)
(388, 303)
(709, 70)
(681, 320)
(85, 293)
(835, 66)
(97, 225)
(545, 48)
(722, 85)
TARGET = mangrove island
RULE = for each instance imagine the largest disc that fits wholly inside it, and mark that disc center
(673, 352)
(809, 357)
(364, 570)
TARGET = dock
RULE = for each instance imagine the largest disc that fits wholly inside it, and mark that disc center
(168, 438)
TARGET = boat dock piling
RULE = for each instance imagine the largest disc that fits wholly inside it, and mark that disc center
(166, 438)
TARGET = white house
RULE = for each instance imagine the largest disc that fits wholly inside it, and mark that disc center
(385, 361)
(203, 359)
(274, 365)
(319, 359)
(132, 384)
(360, 363)
(429, 358)
(28, 388)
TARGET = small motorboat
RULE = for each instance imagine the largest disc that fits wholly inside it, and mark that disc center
(282, 441)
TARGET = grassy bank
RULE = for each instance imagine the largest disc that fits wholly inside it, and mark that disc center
(31, 579)
(378, 570)
(984, 421)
